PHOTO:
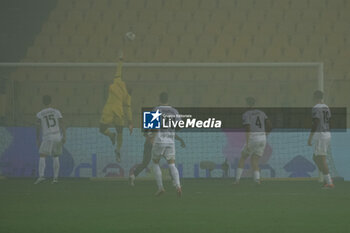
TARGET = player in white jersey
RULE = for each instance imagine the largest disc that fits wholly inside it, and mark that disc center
(257, 126)
(53, 137)
(320, 133)
(164, 146)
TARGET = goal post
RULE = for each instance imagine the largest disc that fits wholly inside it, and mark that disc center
(191, 78)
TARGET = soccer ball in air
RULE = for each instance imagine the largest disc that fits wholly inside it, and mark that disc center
(130, 36)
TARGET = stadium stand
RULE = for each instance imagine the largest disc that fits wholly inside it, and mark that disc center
(179, 31)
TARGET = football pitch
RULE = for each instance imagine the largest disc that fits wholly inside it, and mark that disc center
(207, 205)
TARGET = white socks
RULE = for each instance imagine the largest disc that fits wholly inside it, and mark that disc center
(328, 178)
(256, 175)
(239, 173)
(175, 175)
(320, 176)
(41, 166)
(158, 174)
(56, 167)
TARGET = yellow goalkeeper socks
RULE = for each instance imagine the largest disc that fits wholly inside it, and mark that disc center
(108, 133)
(119, 141)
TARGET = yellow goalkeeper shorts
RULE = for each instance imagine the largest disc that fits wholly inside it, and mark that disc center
(110, 118)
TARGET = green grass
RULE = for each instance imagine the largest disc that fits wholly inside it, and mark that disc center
(206, 206)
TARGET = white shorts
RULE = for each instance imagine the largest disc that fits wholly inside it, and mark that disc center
(163, 150)
(254, 147)
(50, 147)
(322, 144)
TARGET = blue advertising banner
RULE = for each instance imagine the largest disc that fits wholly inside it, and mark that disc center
(87, 153)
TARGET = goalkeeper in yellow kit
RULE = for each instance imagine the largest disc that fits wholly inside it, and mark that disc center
(117, 111)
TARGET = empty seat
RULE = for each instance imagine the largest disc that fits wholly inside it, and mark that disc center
(208, 4)
(169, 41)
(225, 40)
(341, 27)
(173, 5)
(86, 28)
(190, 5)
(90, 54)
(292, 16)
(52, 54)
(82, 5)
(165, 16)
(188, 40)
(181, 54)
(263, 5)
(75, 16)
(154, 5)
(236, 53)
(256, 16)
(130, 16)
(71, 54)
(218, 54)
(162, 54)
(43, 40)
(286, 27)
(262, 40)
(151, 40)
(78, 40)
(244, 41)
(298, 5)
(206, 41)
(291, 53)
(311, 53)
(67, 28)
(141, 28)
(183, 16)
(158, 28)
(136, 5)
(58, 16)
(201, 16)
(299, 40)
(249, 28)
(144, 54)
(195, 28)
(311, 16)
(317, 40)
(101, 40)
(318, 4)
(199, 54)
(147, 16)
(330, 52)
(213, 28)
(176, 28)
(305, 28)
(272, 54)
(254, 54)
(268, 28)
(35, 53)
(231, 29)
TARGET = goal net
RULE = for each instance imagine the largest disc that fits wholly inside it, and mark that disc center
(79, 91)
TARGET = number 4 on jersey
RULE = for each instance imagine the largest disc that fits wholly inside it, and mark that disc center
(257, 122)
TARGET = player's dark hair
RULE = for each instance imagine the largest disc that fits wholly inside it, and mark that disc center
(163, 98)
(250, 101)
(318, 95)
(46, 99)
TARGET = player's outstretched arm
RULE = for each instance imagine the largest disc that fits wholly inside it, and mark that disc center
(268, 126)
(247, 133)
(315, 123)
(177, 137)
(63, 130)
(118, 74)
(38, 130)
